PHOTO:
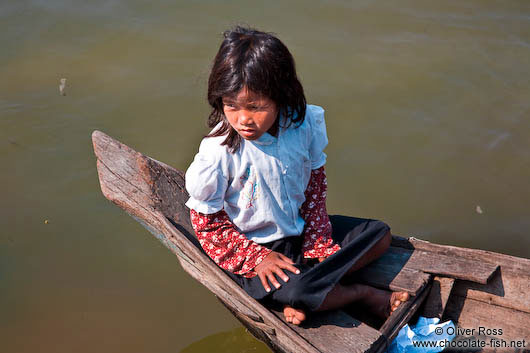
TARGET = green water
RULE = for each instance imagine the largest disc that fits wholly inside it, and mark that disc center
(428, 108)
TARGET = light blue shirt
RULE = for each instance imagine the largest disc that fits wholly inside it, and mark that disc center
(261, 186)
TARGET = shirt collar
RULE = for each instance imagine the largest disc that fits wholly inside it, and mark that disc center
(266, 138)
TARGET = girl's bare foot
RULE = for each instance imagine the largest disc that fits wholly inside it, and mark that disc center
(383, 303)
(292, 315)
(396, 299)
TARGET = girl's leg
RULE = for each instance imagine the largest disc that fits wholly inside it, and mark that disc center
(373, 254)
(380, 302)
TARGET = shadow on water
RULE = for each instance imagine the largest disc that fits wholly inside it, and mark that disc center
(236, 340)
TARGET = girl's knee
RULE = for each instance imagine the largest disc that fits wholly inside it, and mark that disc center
(295, 296)
(386, 240)
(291, 293)
(384, 243)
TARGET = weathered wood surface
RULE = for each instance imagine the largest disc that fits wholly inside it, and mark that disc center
(129, 179)
(474, 314)
(396, 275)
(503, 302)
(514, 264)
(438, 264)
(336, 331)
(438, 296)
(508, 287)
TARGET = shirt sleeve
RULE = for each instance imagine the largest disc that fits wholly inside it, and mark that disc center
(206, 182)
(228, 248)
(319, 137)
(317, 232)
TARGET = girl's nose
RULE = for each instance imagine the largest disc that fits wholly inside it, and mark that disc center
(245, 118)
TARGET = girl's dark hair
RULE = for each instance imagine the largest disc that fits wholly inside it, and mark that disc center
(260, 62)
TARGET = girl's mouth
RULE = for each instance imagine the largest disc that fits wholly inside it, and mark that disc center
(247, 132)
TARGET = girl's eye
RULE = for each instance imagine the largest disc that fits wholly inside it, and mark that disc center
(230, 105)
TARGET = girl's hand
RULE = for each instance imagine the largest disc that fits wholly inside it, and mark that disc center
(320, 259)
(273, 264)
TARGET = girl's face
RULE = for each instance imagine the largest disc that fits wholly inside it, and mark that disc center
(250, 114)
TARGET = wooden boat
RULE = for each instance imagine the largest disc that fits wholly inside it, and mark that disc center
(475, 288)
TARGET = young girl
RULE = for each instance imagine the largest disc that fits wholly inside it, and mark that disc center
(258, 188)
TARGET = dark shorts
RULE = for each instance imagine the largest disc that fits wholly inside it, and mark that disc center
(308, 289)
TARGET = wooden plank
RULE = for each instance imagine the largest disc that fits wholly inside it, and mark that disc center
(439, 264)
(135, 181)
(402, 315)
(336, 331)
(127, 178)
(438, 296)
(473, 314)
(509, 286)
(393, 274)
(401, 242)
(514, 264)
(507, 289)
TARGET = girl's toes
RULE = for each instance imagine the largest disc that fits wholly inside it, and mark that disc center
(397, 299)
(288, 313)
(395, 306)
(292, 315)
(298, 317)
(404, 296)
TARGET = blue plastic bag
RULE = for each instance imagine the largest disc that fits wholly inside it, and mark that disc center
(427, 336)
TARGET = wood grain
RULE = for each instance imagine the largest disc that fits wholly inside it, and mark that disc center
(438, 296)
(513, 264)
(474, 314)
(336, 331)
(506, 288)
(438, 264)
(393, 273)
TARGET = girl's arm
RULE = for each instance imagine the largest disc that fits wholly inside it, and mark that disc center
(228, 248)
(317, 232)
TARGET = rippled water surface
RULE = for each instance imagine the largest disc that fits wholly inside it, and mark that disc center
(428, 119)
